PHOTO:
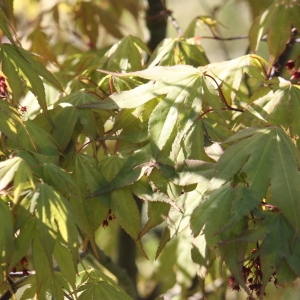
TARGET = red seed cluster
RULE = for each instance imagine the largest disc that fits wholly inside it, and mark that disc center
(109, 217)
(23, 264)
(291, 67)
(3, 88)
(252, 276)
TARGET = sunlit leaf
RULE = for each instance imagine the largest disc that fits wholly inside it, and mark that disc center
(17, 171)
(125, 56)
(55, 216)
(101, 290)
(178, 51)
(29, 70)
(179, 220)
(277, 106)
(229, 74)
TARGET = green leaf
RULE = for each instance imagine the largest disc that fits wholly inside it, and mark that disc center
(125, 56)
(23, 241)
(284, 274)
(274, 246)
(164, 77)
(93, 211)
(285, 177)
(245, 200)
(15, 169)
(131, 171)
(130, 99)
(4, 22)
(55, 216)
(277, 106)
(40, 45)
(65, 261)
(179, 220)
(58, 178)
(9, 119)
(77, 98)
(233, 254)
(14, 80)
(279, 17)
(258, 151)
(187, 172)
(125, 208)
(29, 70)
(160, 182)
(41, 266)
(175, 51)
(157, 213)
(192, 144)
(35, 138)
(200, 21)
(213, 213)
(181, 104)
(101, 290)
(64, 127)
(229, 74)
(6, 235)
(268, 158)
(144, 191)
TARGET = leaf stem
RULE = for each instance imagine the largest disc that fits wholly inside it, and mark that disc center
(222, 95)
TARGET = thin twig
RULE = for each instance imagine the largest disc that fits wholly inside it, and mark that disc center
(215, 37)
(210, 110)
(173, 21)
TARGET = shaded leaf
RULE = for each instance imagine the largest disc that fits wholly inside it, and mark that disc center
(131, 171)
(187, 172)
(212, 213)
(145, 192)
(6, 236)
(279, 17)
(23, 241)
(157, 213)
(64, 127)
(126, 211)
(65, 261)
(35, 138)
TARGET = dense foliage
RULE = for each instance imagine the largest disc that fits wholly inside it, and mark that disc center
(93, 135)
